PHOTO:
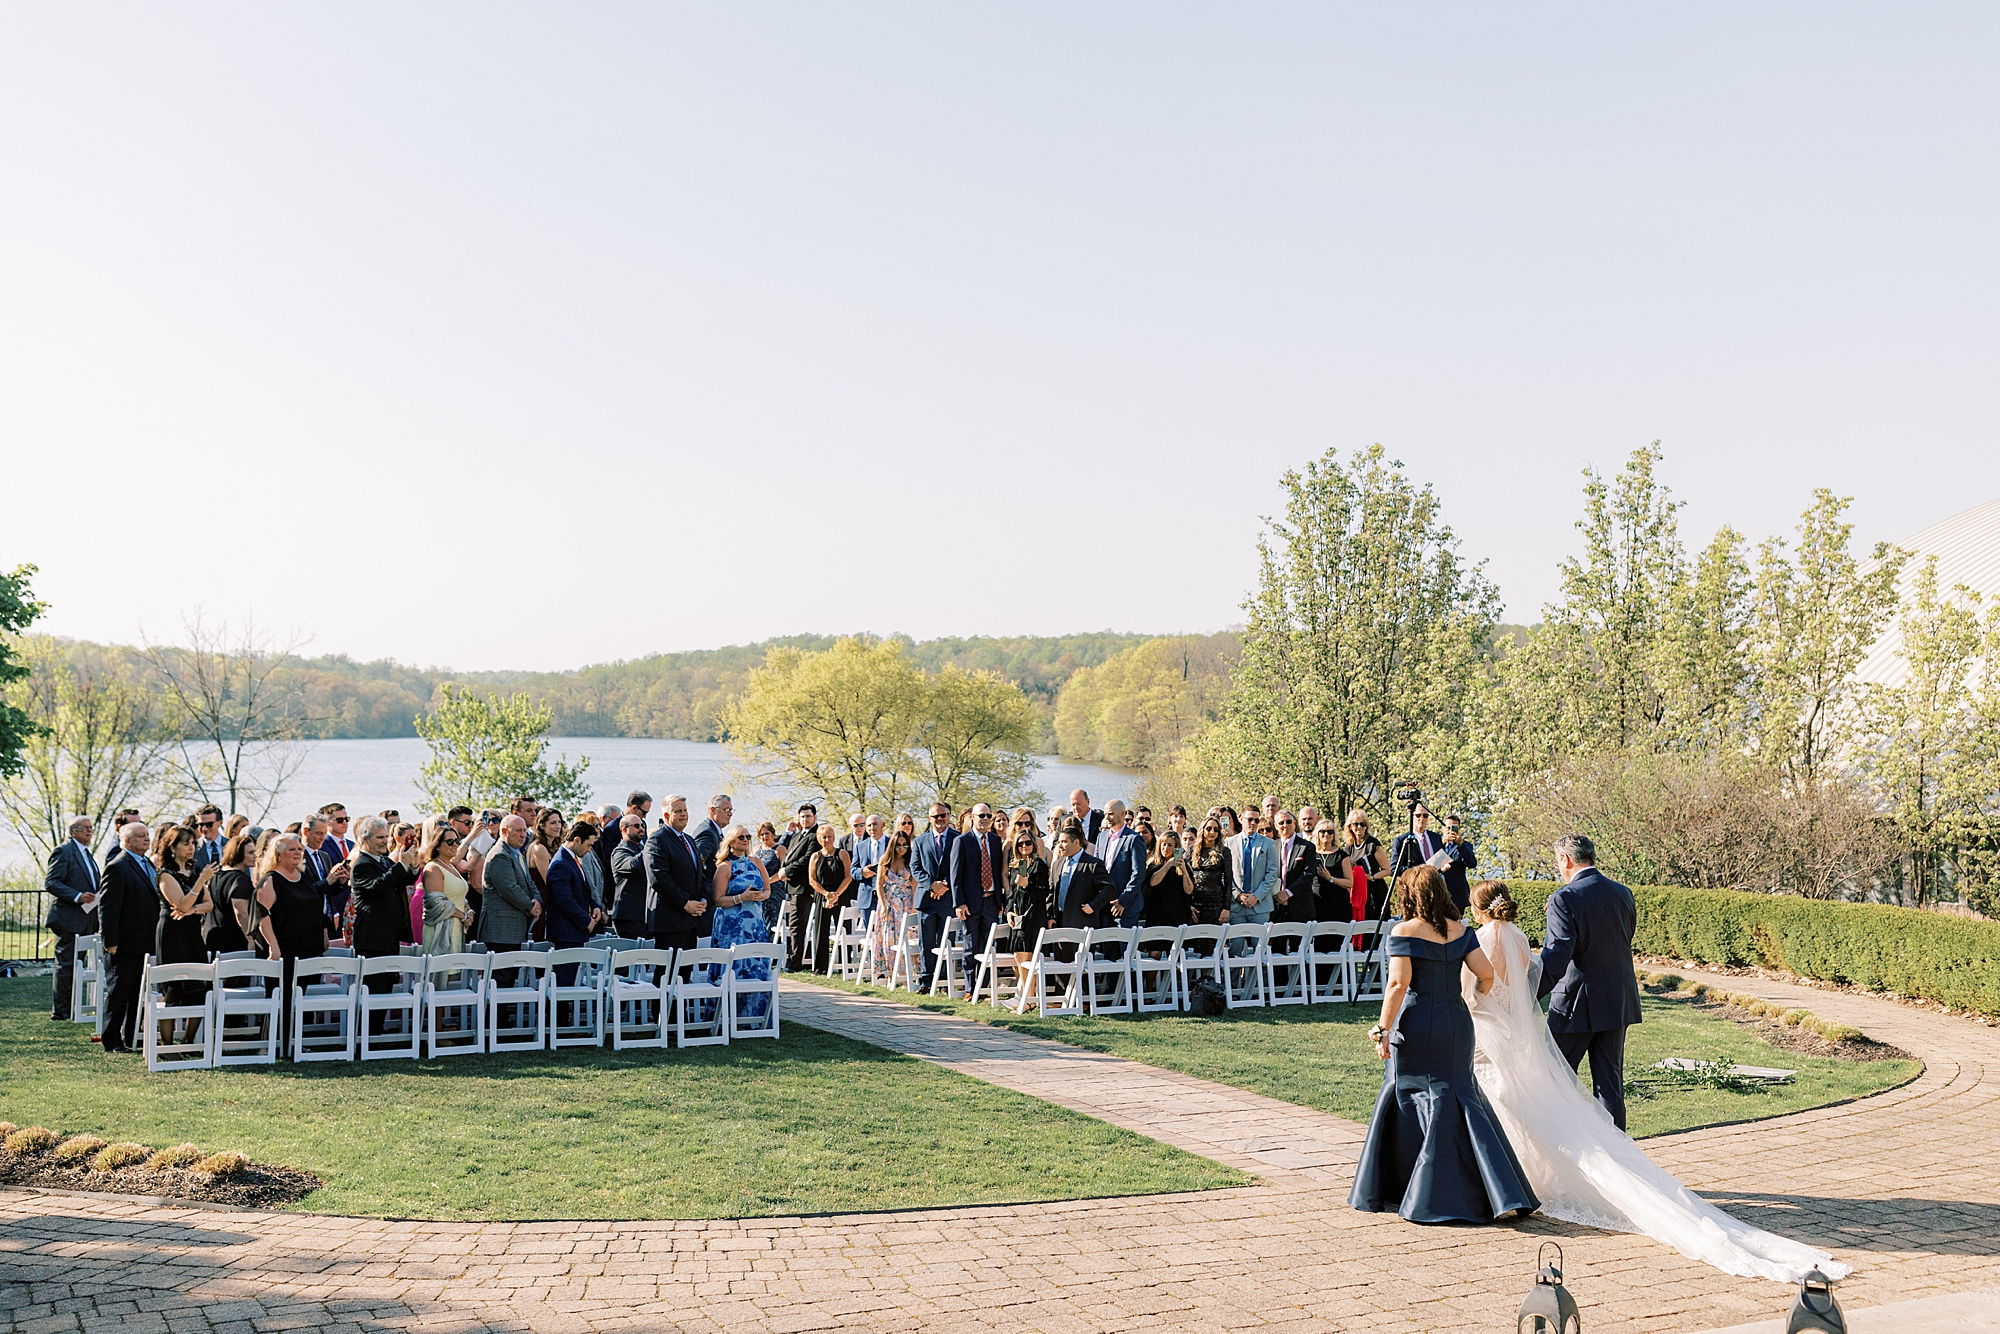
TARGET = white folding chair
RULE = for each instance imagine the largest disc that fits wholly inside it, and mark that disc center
(781, 930)
(1285, 963)
(906, 955)
(455, 1004)
(700, 1000)
(810, 957)
(847, 944)
(397, 1012)
(999, 973)
(1326, 963)
(194, 1047)
(636, 997)
(250, 991)
(1047, 968)
(86, 985)
(745, 988)
(1200, 956)
(581, 1000)
(1367, 964)
(323, 1027)
(1107, 959)
(1156, 963)
(1243, 965)
(950, 974)
(517, 1000)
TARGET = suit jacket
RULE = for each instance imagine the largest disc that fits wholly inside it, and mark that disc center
(1124, 858)
(966, 890)
(1088, 885)
(797, 862)
(503, 912)
(628, 884)
(1254, 860)
(568, 900)
(1463, 859)
(1587, 955)
(1405, 852)
(205, 851)
(128, 914)
(1299, 875)
(930, 862)
(71, 875)
(381, 889)
(607, 843)
(1093, 826)
(673, 880)
(707, 838)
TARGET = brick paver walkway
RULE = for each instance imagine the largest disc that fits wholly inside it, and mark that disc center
(1905, 1186)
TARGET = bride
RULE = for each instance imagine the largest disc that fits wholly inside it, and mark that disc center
(1581, 1165)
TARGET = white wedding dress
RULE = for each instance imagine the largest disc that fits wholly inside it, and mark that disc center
(1583, 1167)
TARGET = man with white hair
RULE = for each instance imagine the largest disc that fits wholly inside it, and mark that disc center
(1123, 853)
(1080, 811)
(707, 836)
(73, 881)
(128, 916)
(510, 905)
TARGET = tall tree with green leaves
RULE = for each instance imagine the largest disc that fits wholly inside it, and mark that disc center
(18, 610)
(970, 739)
(487, 749)
(837, 725)
(1364, 639)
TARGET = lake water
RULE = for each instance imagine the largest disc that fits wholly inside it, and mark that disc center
(381, 775)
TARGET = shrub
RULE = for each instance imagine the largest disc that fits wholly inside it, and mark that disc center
(1793, 1018)
(181, 1155)
(1671, 981)
(1952, 960)
(34, 1139)
(114, 1156)
(77, 1147)
(7, 1128)
(1697, 989)
(222, 1166)
(1833, 1032)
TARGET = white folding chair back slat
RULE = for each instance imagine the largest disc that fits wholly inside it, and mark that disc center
(323, 1008)
(1048, 969)
(700, 1001)
(576, 1009)
(1156, 962)
(1285, 963)
(517, 1000)
(1243, 965)
(249, 1009)
(745, 991)
(397, 1013)
(1107, 953)
(638, 996)
(189, 1043)
(455, 1004)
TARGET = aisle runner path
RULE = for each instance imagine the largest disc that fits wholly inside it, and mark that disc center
(1905, 1186)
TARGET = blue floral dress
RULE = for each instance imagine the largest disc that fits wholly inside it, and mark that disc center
(743, 924)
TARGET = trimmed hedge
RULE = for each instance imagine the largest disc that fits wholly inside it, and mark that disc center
(1952, 960)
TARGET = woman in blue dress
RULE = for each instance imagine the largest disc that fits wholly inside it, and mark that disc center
(740, 889)
(1435, 1150)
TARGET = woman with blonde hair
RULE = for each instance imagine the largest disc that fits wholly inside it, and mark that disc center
(443, 889)
(1367, 868)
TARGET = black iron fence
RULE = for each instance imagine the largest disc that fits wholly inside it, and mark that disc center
(24, 937)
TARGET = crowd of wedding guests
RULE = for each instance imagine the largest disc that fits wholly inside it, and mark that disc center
(185, 891)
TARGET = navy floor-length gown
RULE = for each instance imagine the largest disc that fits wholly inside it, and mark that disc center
(1435, 1151)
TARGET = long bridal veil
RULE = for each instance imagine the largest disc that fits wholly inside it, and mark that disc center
(1582, 1166)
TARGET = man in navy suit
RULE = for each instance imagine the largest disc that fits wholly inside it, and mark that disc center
(1123, 853)
(977, 865)
(930, 864)
(1587, 964)
(1078, 886)
(676, 899)
(128, 913)
(571, 913)
(74, 882)
(708, 834)
(208, 836)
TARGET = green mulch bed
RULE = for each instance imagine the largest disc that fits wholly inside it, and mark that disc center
(808, 1124)
(1319, 1056)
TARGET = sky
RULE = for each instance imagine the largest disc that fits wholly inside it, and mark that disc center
(500, 335)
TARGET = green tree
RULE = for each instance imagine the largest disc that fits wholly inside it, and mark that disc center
(1139, 707)
(837, 725)
(18, 610)
(971, 737)
(1364, 640)
(488, 749)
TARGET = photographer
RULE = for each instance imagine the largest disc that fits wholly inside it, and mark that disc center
(1462, 859)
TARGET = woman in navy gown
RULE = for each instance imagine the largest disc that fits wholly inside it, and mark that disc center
(1435, 1150)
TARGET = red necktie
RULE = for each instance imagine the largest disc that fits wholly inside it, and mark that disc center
(985, 866)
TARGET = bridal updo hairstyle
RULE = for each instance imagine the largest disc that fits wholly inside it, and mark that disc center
(1492, 899)
(1421, 895)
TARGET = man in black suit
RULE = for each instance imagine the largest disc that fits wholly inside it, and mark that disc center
(326, 869)
(795, 868)
(1587, 965)
(637, 803)
(208, 836)
(1079, 887)
(1462, 859)
(675, 895)
(1414, 848)
(1298, 873)
(930, 865)
(628, 879)
(73, 881)
(128, 915)
(1091, 820)
(708, 834)
(977, 866)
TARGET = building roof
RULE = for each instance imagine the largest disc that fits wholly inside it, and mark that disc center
(1967, 547)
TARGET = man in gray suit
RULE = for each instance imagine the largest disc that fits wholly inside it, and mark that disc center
(73, 880)
(510, 904)
(1255, 861)
(707, 835)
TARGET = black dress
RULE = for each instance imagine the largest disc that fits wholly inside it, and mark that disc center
(1435, 1151)
(1167, 903)
(220, 930)
(827, 872)
(1027, 900)
(1336, 888)
(1378, 884)
(178, 940)
(298, 917)
(1213, 881)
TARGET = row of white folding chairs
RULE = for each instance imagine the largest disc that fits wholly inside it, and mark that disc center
(1143, 970)
(458, 1004)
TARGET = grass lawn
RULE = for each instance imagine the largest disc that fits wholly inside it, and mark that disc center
(809, 1124)
(1319, 1056)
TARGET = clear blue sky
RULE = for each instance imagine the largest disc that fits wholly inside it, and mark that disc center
(417, 326)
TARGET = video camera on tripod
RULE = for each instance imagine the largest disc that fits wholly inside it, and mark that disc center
(1410, 794)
